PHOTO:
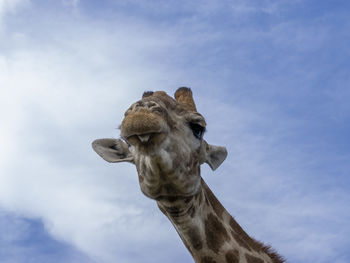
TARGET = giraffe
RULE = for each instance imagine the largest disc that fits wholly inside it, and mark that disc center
(163, 138)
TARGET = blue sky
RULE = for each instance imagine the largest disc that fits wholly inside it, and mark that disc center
(271, 78)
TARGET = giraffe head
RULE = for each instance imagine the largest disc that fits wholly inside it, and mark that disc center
(163, 137)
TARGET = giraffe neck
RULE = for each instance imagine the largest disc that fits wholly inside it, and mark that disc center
(210, 233)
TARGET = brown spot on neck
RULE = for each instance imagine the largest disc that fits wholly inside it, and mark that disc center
(215, 233)
(252, 259)
(207, 259)
(232, 256)
(195, 238)
(241, 242)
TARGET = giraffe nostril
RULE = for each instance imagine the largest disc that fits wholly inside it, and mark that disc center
(144, 105)
(157, 109)
(151, 104)
(139, 105)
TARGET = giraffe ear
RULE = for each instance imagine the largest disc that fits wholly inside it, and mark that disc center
(113, 150)
(215, 155)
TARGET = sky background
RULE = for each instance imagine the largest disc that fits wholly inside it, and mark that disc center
(271, 77)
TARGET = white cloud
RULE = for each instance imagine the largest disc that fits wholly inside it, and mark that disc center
(55, 101)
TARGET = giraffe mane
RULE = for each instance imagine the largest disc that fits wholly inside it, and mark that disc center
(242, 236)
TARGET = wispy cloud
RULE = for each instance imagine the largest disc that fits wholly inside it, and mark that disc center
(59, 97)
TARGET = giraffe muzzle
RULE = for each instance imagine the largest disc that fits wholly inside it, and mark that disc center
(142, 125)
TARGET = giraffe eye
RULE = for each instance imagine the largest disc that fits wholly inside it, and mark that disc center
(197, 130)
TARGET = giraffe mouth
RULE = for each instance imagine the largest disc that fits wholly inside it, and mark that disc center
(143, 139)
(142, 127)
